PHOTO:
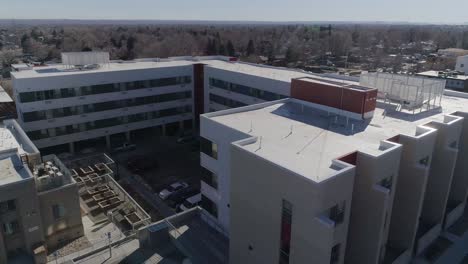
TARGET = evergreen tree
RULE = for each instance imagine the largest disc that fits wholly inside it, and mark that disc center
(131, 43)
(250, 48)
(222, 49)
(230, 49)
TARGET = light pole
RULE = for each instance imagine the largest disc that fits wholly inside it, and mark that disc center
(110, 244)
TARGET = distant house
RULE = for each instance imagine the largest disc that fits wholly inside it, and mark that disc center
(462, 64)
(452, 52)
(454, 80)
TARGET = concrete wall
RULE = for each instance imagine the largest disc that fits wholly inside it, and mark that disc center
(372, 204)
(459, 188)
(223, 136)
(28, 215)
(68, 227)
(257, 190)
(442, 166)
(410, 188)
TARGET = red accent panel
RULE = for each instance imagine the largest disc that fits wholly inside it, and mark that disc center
(349, 158)
(395, 139)
(340, 97)
(198, 89)
(233, 59)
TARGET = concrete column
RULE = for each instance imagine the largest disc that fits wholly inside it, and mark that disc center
(163, 130)
(127, 136)
(71, 146)
(108, 142)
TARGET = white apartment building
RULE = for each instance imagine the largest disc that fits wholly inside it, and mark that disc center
(300, 163)
(65, 104)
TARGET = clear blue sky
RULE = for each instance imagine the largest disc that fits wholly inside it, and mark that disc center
(434, 11)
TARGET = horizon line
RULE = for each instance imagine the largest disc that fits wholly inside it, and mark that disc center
(240, 21)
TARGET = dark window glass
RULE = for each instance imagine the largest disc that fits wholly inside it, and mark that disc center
(209, 178)
(285, 240)
(208, 147)
(209, 206)
(335, 254)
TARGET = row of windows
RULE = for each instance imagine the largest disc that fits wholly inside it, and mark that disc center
(108, 122)
(26, 97)
(225, 101)
(90, 108)
(245, 90)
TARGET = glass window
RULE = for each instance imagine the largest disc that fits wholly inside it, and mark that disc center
(34, 116)
(27, 97)
(11, 228)
(209, 178)
(337, 212)
(209, 148)
(335, 254)
(58, 210)
(424, 161)
(387, 182)
(7, 206)
(209, 206)
(285, 239)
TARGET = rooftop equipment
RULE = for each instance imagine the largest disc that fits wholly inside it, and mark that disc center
(85, 59)
(411, 92)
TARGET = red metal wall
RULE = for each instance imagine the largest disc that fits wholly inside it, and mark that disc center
(351, 100)
(198, 91)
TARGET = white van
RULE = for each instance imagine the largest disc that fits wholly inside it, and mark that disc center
(190, 202)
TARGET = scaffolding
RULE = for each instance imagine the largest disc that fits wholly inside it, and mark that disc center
(410, 92)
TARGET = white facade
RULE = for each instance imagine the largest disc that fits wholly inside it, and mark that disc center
(276, 88)
(48, 113)
(462, 64)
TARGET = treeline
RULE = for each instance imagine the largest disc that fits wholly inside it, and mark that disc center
(304, 43)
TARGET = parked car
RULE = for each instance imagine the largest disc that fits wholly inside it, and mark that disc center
(176, 200)
(190, 202)
(173, 189)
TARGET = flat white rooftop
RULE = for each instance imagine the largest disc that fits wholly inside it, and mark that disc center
(436, 74)
(4, 97)
(12, 170)
(63, 70)
(297, 136)
(13, 137)
(218, 62)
